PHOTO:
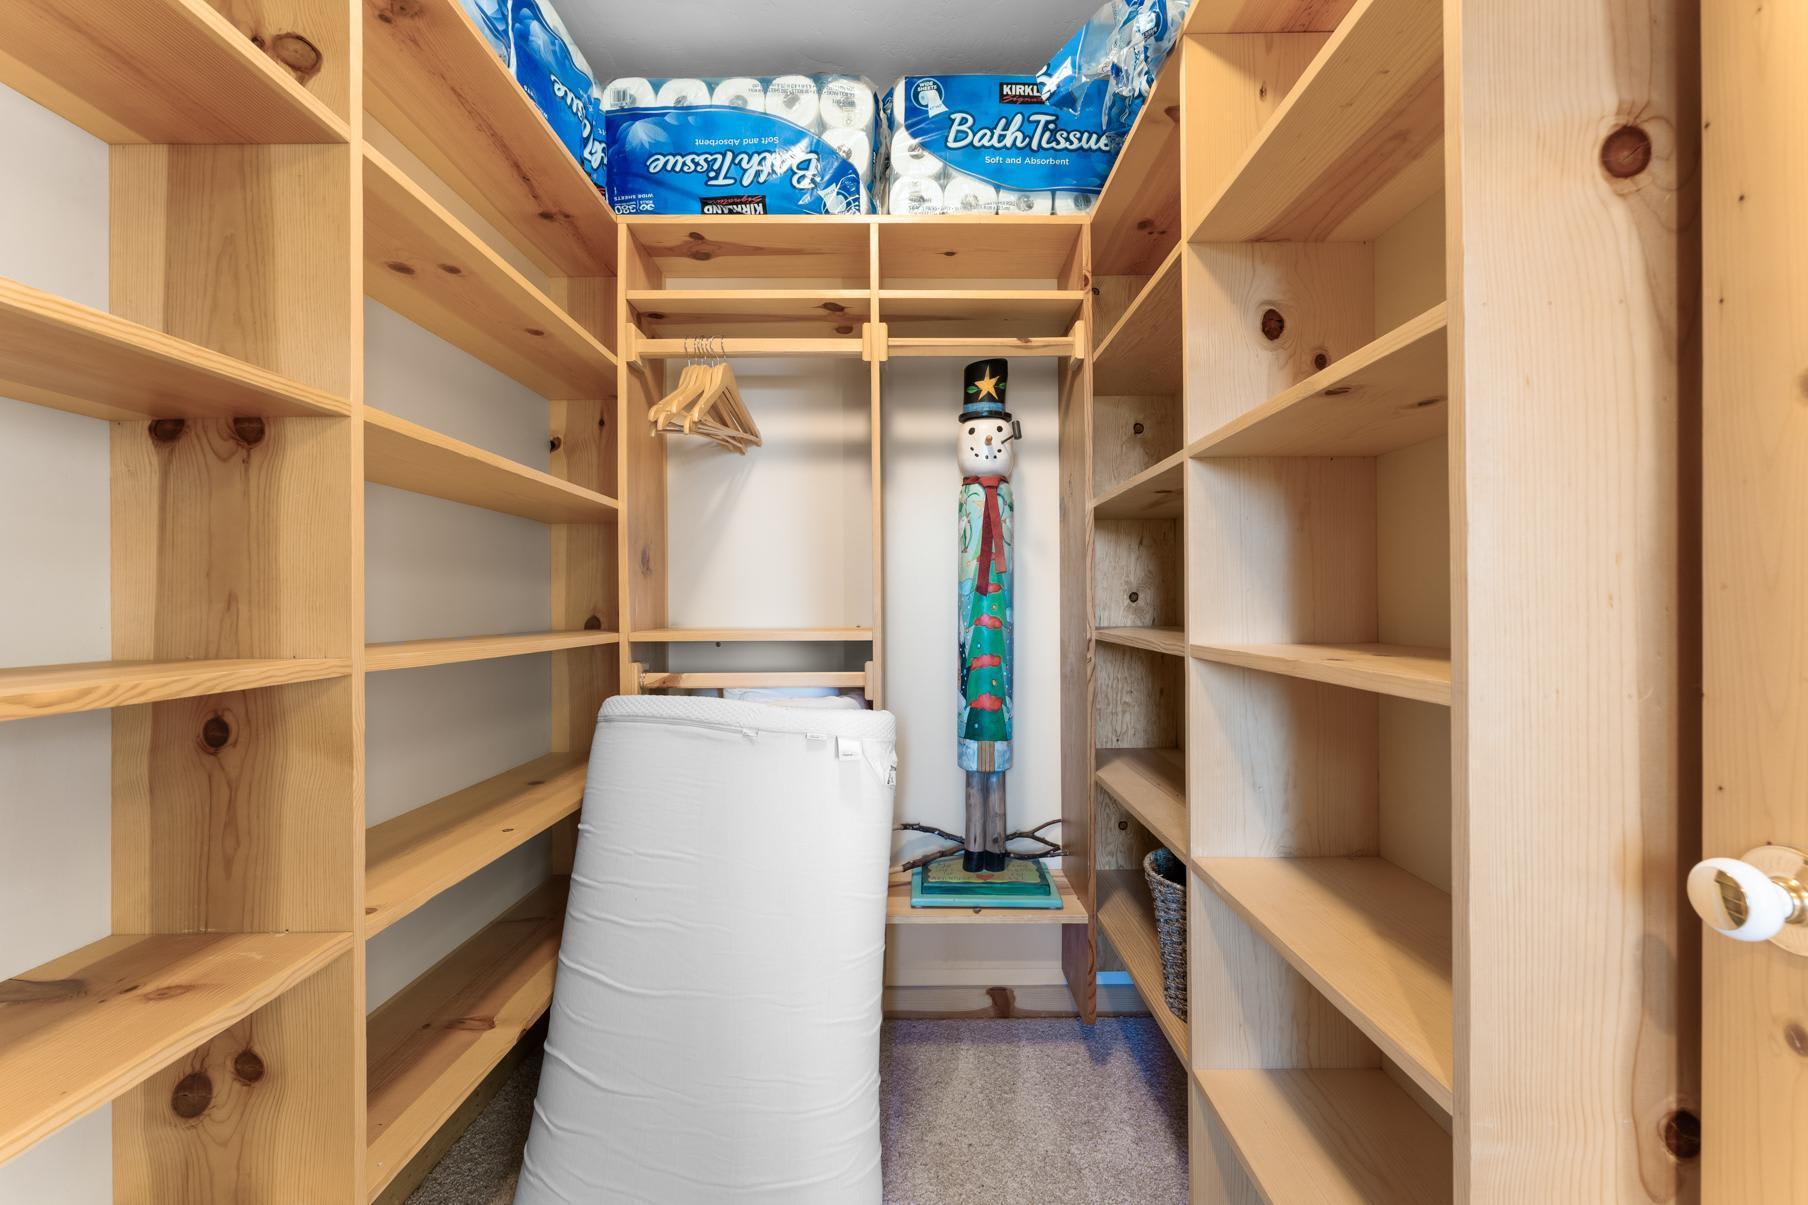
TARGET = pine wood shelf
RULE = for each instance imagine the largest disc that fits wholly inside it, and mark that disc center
(899, 912)
(44, 690)
(158, 71)
(1141, 353)
(1389, 394)
(420, 460)
(779, 247)
(750, 313)
(955, 347)
(66, 356)
(751, 635)
(77, 1032)
(1156, 640)
(1371, 937)
(683, 680)
(957, 247)
(1154, 493)
(455, 650)
(1264, 16)
(415, 856)
(642, 349)
(1356, 144)
(1385, 669)
(1127, 919)
(997, 312)
(432, 80)
(426, 265)
(433, 1043)
(1136, 222)
(1151, 785)
(1332, 1137)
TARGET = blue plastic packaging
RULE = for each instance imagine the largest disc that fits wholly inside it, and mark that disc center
(1123, 45)
(528, 36)
(745, 145)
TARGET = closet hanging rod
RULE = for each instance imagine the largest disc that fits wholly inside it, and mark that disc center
(641, 349)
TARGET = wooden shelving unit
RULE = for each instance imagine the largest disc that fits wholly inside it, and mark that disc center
(45, 690)
(411, 457)
(1126, 917)
(1171, 641)
(1134, 356)
(1136, 223)
(1154, 493)
(1150, 784)
(1386, 669)
(453, 650)
(753, 635)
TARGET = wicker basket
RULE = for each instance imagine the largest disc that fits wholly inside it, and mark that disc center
(1167, 885)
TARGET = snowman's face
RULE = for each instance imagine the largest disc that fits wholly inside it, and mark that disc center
(986, 448)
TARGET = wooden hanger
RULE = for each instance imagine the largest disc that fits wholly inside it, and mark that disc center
(707, 401)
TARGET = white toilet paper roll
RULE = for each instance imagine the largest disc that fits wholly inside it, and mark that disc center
(742, 92)
(855, 147)
(680, 93)
(915, 194)
(794, 98)
(1074, 202)
(965, 194)
(847, 104)
(910, 158)
(630, 92)
(1010, 201)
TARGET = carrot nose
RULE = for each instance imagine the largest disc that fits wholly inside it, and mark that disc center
(988, 441)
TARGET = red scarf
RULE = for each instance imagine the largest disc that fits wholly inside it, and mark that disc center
(991, 537)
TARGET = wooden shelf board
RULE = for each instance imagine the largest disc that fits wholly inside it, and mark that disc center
(1371, 937)
(1332, 1137)
(426, 265)
(1136, 222)
(1385, 669)
(78, 1031)
(764, 248)
(454, 650)
(1127, 919)
(158, 71)
(42, 690)
(432, 80)
(959, 347)
(753, 679)
(433, 1042)
(1389, 394)
(1265, 16)
(1357, 143)
(957, 247)
(899, 912)
(1155, 640)
(951, 313)
(751, 635)
(1154, 493)
(1151, 785)
(69, 357)
(751, 313)
(1141, 354)
(411, 457)
(415, 856)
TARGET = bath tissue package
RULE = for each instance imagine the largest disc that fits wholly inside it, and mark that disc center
(978, 144)
(1124, 44)
(530, 38)
(744, 145)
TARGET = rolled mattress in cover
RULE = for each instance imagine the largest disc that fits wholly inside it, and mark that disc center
(715, 1021)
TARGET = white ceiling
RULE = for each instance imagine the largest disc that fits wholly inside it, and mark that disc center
(773, 37)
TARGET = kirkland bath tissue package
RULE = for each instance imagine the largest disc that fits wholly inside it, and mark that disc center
(990, 144)
(746, 145)
(530, 38)
(1124, 45)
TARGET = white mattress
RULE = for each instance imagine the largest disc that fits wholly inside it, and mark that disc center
(715, 1021)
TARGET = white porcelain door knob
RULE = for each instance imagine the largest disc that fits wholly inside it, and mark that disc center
(1759, 897)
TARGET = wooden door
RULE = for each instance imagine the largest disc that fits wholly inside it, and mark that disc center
(1755, 579)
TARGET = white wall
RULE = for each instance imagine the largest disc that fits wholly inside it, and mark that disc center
(55, 774)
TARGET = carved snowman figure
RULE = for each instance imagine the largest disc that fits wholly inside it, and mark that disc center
(987, 457)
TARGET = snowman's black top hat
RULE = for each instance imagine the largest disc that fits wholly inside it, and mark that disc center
(983, 395)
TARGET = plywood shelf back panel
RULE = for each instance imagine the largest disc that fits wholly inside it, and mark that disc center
(432, 80)
(413, 857)
(1356, 144)
(411, 457)
(425, 264)
(69, 357)
(81, 1030)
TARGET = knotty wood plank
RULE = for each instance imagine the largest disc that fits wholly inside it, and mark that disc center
(1136, 222)
(453, 650)
(425, 264)
(411, 457)
(42, 690)
(1000, 247)
(778, 247)
(432, 80)
(1385, 669)
(432, 1043)
(1331, 1136)
(1372, 938)
(67, 356)
(1154, 493)
(1151, 785)
(1264, 16)
(159, 71)
(413, 857)
(1127, 919)
(1141, 353)
(750, 313)
(1155, 640)
(84, 1028)
(956, 312)
(899, 912)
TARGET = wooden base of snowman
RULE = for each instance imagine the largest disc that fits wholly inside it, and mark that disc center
(984, 612)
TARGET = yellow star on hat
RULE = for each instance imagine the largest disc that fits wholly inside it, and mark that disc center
(987, 386)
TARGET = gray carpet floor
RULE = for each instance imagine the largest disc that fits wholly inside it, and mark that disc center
(971, 1111)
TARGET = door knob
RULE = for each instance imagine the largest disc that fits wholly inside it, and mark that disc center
(1760, 897)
